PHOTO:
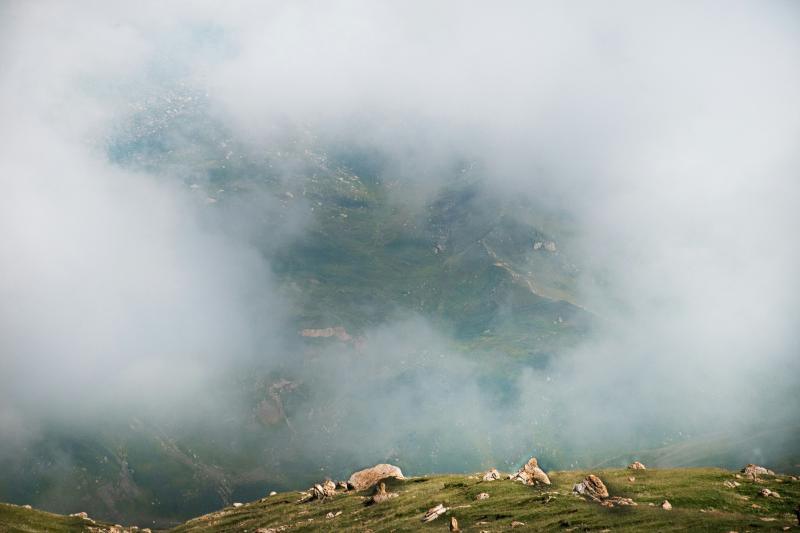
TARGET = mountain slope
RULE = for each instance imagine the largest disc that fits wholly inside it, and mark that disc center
(700, 502)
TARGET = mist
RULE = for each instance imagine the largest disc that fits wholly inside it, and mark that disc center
(134, 286)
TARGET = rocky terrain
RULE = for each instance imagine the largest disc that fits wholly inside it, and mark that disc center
(381, 498)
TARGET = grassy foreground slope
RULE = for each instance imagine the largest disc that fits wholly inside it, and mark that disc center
(700, 500)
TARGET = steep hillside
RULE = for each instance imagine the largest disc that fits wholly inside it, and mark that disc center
(352, 247)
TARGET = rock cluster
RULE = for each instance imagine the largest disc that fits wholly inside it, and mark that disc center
(491, 475)
(364, 479)
(755, 470)
(323, 490)
(591, 487)
(766, 493)
(531, 474)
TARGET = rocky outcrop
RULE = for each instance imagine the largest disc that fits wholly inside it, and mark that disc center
(323, 490)
(434, 512)
(636, 465)
(337, 332)
(755, 471)
(270, 410)
(381, 495)
(550, 246)
(531, 474)
(591, 487)
(364, 479)
(491, 475)
(454, 524)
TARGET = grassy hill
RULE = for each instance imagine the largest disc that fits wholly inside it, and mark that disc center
(700, 502)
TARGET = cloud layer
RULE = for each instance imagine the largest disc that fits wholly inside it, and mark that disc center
(668, 133)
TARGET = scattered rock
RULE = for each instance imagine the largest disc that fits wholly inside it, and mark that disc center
(766, 493)
(731, 484)
(591, 486)
(454, 524)
(531, 474)
(491, 475)
(631, 479)
(342, 485)
(27, 506)
(339, 332)
(323, 490)
(755, 470)
(517, 523)
(82, 514)
(364, 479)
(434, 513)
(666, 505)
(332, 514)
(482, 496)
(272, 493)
(381, 495)
(618, 500)
(636, 465)
(237, 504)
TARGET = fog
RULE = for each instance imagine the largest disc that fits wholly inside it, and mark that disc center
(667, 133)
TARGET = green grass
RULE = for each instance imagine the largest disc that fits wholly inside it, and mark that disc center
(700, 503)
(18, 519)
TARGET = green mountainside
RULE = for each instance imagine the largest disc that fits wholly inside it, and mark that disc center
(700, 499)
(352, 247)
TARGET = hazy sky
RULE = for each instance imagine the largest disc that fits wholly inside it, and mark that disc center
(668, 130)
